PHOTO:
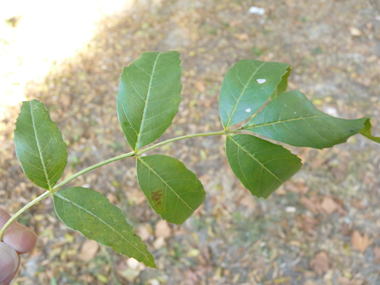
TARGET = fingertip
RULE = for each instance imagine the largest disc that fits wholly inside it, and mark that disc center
(19, 237)
(9, 263)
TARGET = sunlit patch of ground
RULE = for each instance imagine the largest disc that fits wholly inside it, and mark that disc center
(35, 34)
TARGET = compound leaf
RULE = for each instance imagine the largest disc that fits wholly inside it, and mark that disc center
(291, 118)
(89, 212)
(247, 86)
(260, 165)
(149, 96)
(172, 190)
(39, 145)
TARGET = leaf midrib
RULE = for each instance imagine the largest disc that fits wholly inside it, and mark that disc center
(241, 94)
(151, 169)
(262, 165)
(39, 148)
(146, 103)
(90, 213)
(281, 122)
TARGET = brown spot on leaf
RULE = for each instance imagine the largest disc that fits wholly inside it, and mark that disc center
(158, 200)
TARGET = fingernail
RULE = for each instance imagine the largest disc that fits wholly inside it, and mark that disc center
(8, 262)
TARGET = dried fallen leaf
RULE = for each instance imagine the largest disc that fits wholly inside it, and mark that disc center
(360, 242)
(242, 37)
(310, 205)
(309, 282)
(346, 229)
(200, 86)
(289, 3)
(306, 223)
(249, 202)
(318, 162)
(297, 187)
(320, 263)
(162, 229)
(377, 254)
(346, 281)
(112, 197)
(281, 191)
(88, 250)
(372, 58)
(358, 204)
(136, 197)
(206, 102)
(205, 178)
(329, 205)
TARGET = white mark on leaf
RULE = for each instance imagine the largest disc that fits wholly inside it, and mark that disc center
(261, 81)
(248, 110)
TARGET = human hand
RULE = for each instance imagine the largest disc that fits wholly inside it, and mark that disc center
(17, 239)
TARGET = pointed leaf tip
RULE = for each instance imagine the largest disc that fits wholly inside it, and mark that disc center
(92, 214)
(291, 118)
(366, 131)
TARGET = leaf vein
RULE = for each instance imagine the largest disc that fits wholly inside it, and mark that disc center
(146, 102)
(141, 69)
(254, 158)
(242, 92)
(168, 186)
(99, 220)
(39, 148)
(20, 144)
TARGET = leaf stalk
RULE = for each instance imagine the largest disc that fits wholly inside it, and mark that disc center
(141, 151)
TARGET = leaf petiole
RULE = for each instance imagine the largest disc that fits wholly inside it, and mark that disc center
(220, 133)
(116, 158)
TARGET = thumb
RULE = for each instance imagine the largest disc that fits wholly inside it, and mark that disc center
(9, 262)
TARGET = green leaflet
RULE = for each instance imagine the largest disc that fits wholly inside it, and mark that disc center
(172, 190)
(39, 145)
(366, 131)
(291, 118)
(149, 96)
(89, 212)
(260, 165)
(247, 86)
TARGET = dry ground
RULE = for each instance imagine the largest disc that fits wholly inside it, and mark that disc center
(321, 227)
